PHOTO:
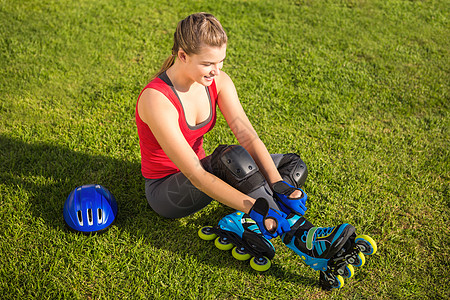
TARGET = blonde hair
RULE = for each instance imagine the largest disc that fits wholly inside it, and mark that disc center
(192, 33)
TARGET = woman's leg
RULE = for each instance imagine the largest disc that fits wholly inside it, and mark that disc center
(174, 196)
(234, 165)
(292, 168)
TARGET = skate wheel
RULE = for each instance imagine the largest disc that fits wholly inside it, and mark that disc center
(338, 283)
(329, 281)
(349, 271)
(260, 264)
(366, 244)
(239, 254)
(223, 244)
(357, 261)
(205, 233)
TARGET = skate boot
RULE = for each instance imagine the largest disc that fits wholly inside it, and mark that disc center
(317, 245)
(331, 250)
(239, 232)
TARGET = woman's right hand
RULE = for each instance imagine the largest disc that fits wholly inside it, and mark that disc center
(271, 222)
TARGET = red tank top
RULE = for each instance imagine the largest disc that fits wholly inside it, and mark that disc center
(154, 162)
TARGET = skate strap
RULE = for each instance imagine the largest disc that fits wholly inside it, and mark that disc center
(289, 235)
(310, 237)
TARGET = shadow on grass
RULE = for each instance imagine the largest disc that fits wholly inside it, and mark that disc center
(48, 173)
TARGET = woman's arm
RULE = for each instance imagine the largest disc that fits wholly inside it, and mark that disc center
(162, 118)
(246, 135)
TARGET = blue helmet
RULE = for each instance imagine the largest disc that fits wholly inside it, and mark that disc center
(90, 208)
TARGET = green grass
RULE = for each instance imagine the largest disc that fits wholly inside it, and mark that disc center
(360, 89)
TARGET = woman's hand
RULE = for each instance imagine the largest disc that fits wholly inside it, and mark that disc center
(289, 198)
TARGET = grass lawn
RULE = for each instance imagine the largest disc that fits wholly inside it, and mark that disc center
(359, 88)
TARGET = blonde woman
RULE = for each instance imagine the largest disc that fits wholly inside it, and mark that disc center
(175, 110)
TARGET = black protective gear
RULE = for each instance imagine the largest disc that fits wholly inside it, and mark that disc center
(293, 169)
(234, 165)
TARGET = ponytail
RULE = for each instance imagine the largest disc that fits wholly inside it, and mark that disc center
(166, 65)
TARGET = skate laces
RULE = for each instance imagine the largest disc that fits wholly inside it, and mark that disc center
(324, 232)
(317, 232)
(310, 238)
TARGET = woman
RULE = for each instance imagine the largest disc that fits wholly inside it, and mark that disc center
(173, 113)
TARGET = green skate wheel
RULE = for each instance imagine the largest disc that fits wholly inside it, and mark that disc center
(358, 261)
(205, 233)
(239, 254)
(223, 244)
(366, 244)
(260, 264)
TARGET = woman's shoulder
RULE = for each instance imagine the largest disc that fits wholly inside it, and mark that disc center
(156, 91)
(223, 81)
(155, 98)
(154, 102)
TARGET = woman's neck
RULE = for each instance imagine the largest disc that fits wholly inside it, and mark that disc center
(180, 81)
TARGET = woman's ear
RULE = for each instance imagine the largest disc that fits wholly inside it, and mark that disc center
(182, 55)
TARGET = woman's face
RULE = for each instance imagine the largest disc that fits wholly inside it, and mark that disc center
(206, 65)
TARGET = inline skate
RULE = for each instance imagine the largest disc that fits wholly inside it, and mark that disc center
(352, 254)
(331, 250)
(239, 232)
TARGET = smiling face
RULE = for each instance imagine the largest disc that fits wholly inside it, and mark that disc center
(206, 65)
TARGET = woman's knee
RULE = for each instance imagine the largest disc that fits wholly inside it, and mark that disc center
(234, 165)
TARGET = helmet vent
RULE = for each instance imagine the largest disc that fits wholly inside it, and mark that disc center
(90, 218)
(99, 216)
(80, 217)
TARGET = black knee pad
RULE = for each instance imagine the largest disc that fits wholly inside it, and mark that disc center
(293, 169)
(234, 165)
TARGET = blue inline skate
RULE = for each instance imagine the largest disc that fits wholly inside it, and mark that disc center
(331, 250)
(239, 232)
(352, 254)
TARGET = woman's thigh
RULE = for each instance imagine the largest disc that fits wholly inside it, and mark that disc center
(174, 196)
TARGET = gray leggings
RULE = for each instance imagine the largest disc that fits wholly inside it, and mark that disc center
(174, 196)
